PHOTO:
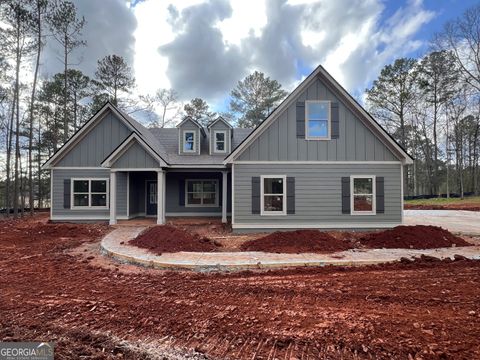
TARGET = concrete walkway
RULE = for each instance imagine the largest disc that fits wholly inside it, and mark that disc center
(456, 221)
(112, 246)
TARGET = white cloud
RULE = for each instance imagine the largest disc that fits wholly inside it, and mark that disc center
(206, 46)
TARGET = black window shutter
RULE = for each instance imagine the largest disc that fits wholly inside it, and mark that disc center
(301, 119)
(256, 195)
(66, 193)
(380, 193)
(181, 192)
(290, 195)
(335, 121)
(345, 195)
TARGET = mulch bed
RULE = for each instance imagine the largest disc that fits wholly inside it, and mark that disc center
(299, 241)
(169, 239)
(412, 237)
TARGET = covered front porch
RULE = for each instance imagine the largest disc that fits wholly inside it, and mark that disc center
(157, 194)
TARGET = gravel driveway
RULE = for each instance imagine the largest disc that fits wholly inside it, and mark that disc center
(466, 222)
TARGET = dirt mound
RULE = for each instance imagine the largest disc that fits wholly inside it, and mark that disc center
(412, 237)
(168, 239)
(299, 241)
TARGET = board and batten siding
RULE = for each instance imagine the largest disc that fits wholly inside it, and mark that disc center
(135, 157)
(279, 141)
(97, 144)
(318, 194)
(60, 213)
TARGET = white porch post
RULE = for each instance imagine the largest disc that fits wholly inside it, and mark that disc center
(113, 198)
(224, 196)
(160, 198)
(164, 212)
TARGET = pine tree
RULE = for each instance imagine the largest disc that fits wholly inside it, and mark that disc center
(254, 98)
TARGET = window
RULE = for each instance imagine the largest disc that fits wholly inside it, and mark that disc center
(220, 141)
(91, 193)
(201, 193)
(362, 194)
(189, 141)
(273, 194)
(317, 120)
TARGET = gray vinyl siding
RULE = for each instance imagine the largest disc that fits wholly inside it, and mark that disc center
(318, 197)
(58, 177)
(137, 191)
(176, 179)
(188, 125)
(220, 126)
(279, 141)
(98, 143)
(136, 157)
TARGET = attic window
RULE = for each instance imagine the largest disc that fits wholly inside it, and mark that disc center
(189, 141)
(317, 120)
(220, 137)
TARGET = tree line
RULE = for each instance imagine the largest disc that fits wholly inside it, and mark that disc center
(39, 114)
(431, 106)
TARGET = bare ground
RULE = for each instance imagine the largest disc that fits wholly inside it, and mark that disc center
(56, 287)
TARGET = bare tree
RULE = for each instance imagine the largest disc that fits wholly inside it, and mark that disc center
(462, 36)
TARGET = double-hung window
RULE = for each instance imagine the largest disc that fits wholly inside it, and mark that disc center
(201, 193)
(89, 193)
(189, 141)
(220, 141)
(317, 120)
(362, 194)
(273, 198)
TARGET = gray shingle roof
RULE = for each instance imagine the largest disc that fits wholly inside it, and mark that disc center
(168, 138)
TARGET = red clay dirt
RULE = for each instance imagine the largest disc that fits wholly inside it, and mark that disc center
(412, 237)
(399, 311)
(168, 239)
(295, 242)
(456, 206)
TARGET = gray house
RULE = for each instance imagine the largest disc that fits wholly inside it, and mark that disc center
(318, 161)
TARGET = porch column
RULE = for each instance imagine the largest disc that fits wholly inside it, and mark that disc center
(160, 198)
(113, 198)
(224, 196)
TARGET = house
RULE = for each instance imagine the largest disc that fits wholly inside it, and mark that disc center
(319, 160)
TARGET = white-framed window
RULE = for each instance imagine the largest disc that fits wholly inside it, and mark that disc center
(201, 192)
(89, 193)
(189, 140)
(317, 120)
(362, 195)
(273, 195)
(220, 137)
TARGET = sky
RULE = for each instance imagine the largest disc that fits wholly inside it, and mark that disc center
(202, 48)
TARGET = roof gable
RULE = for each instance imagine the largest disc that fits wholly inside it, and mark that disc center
(187, 120)
(213, 122)
(349, 103)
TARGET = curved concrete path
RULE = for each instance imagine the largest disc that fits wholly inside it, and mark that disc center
(115, 244)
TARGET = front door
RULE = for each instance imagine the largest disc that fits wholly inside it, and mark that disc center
(151, 197)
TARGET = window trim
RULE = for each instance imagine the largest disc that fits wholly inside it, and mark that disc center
(202, 205)
(194, 132)
(374, 195)
(264, 212)
(318, 138)
(90, 193)
(224, 132)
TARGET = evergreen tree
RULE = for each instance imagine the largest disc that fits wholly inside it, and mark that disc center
(254, 98)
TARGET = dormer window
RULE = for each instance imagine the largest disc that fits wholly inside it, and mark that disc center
(317, 120)
(189, 141)
(220, 139)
